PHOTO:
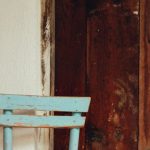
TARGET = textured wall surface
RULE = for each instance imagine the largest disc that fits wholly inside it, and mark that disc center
(20, 56)
(70, 56)
(20, 46)
(113, 58)
(105, 67)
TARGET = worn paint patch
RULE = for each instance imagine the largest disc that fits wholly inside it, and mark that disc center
(126, 94)
(45, 46)
(45, 136)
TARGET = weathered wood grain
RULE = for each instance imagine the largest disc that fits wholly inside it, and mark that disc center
(42, 121)
(144, 106)
(112, 69)
(44, 137)
(70, 56)
(112, 63)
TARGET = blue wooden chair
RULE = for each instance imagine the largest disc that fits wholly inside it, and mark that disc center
(76, 105)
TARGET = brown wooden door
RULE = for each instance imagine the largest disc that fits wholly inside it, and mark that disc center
(97, 55)
(113, 55)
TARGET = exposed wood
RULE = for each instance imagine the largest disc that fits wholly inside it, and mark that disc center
(52, 62)
(70, 56)
(42, 121)
(142, 79)
(52, 50)
(48, 45)
(144, 107)
(44, 137)
(112, 70)
(45, 46)
(112, 62)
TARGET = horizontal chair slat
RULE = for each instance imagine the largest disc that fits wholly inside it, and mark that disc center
(42, 121)
(66, 104)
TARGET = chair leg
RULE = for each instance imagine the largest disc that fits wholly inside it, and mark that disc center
(74, 136)
(7, 135)
(74, 139)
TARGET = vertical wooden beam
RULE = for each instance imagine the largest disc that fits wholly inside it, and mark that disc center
(142, 139)
(70, 57)
(44, 137)
(112, 62)
(144, 106)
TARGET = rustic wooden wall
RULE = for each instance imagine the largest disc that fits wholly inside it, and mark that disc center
(97, 54)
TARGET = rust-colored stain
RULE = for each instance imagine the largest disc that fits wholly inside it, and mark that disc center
(19, 124)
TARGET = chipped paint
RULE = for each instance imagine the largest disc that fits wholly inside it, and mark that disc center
(45, 46)
(47, 67)
(48, 46)
(136, 12)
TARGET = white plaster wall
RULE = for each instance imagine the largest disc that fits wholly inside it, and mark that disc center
(20, 68)
(20, 57)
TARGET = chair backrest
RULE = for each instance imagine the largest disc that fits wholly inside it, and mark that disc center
(76, 105)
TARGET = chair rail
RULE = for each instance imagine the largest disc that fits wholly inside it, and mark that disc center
(62, 104)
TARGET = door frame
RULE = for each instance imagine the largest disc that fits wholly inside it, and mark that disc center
(44, 137)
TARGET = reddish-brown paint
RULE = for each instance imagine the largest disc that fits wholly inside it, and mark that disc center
(112, 69)
(112, 62)
(70, 56)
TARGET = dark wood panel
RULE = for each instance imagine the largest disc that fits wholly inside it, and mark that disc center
(70, 56)
(144, 107)
(70, 47)
(112, 62)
